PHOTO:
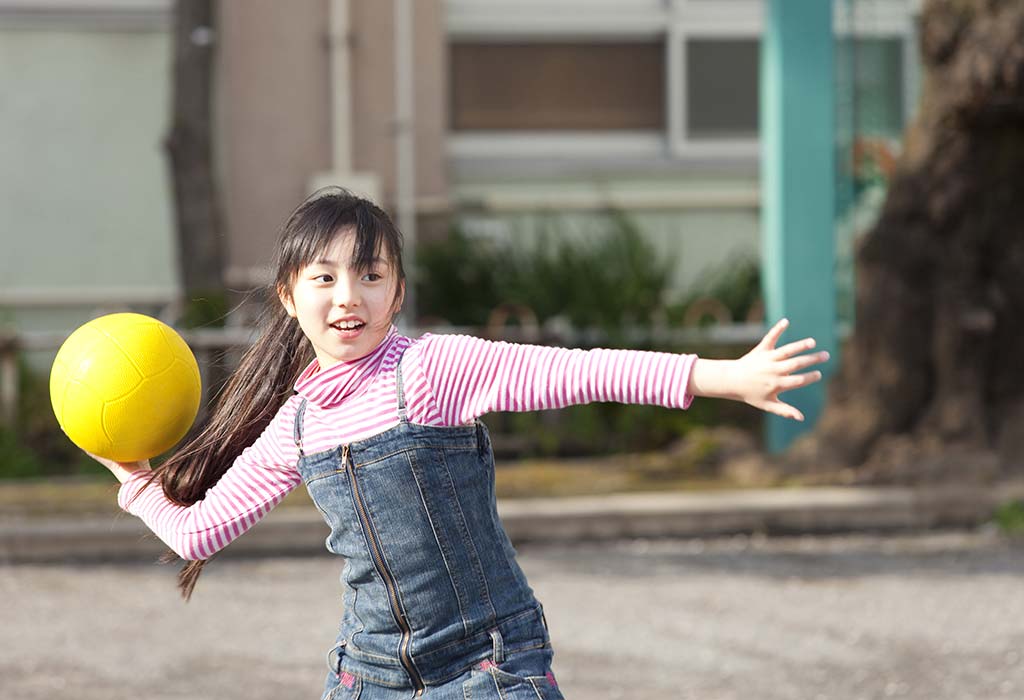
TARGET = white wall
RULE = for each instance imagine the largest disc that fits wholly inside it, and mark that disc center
(84, 189)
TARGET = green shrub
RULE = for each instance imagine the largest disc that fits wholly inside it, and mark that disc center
(606, 279)
(457, 280)
(1009, 518)
(16, 460)
(736, 283)
(35, 446)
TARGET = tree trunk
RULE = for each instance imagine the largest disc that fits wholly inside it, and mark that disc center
(189, 147)
(932, 383)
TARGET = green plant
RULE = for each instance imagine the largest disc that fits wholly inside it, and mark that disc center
(457, 279)
(205, 309)
(604, 277)
(35, 446)
(16, 460)
(736, 283)
(601, 428)
(1009, 517)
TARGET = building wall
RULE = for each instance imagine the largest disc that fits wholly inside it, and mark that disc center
(275, 122)
(274, 132)
(373, 86)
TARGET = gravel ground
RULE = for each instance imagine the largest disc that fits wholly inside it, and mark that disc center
(927, 617)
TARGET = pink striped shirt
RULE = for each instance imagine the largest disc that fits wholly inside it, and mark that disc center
(448, 380)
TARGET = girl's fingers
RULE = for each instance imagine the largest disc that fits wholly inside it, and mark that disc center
(793, 348)
(785, 410)
(798, 380)
(773, 335)
(802, 362)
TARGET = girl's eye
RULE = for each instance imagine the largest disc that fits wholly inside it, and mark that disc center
(325, 278)
(372, 277)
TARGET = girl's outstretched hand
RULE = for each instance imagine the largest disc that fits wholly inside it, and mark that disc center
(761, 375)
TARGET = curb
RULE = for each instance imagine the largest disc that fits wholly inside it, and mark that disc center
(300, 531)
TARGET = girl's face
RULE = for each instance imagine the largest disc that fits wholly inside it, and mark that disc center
(344, 312)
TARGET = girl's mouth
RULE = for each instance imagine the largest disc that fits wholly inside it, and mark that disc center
(348, 329)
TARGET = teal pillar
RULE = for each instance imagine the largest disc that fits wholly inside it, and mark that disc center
(798, 190)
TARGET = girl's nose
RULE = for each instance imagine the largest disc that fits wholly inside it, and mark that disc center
(346, 293)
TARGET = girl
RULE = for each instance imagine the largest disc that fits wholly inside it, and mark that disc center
(384, 432)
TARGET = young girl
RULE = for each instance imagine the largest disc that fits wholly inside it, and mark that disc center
(384, 432)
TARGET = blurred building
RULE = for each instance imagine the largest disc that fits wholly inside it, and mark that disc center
(496, 112)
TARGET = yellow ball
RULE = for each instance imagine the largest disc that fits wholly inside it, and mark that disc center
(125, 387)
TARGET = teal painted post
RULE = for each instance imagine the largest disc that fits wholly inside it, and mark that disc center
(798, 190)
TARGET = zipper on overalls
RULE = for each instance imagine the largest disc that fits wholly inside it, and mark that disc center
(385, 574)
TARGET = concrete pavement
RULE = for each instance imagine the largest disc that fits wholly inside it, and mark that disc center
(934, 616)
(301, 531)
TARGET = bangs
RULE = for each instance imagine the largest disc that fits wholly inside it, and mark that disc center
(315, 225)
(372, 240)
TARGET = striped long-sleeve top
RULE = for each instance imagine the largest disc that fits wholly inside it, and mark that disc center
(448, 380)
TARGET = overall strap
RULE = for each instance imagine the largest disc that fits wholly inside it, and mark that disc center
(400, 389)
(298, 426)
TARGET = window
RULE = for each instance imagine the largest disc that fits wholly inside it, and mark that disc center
(878, 85)
(722, 88)
(561, 85)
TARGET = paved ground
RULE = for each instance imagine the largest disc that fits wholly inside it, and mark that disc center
(928, 616)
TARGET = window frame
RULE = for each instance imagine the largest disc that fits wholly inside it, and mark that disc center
(705, 19)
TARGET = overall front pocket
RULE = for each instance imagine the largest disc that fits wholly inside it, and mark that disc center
(340, 685)
(517, 678)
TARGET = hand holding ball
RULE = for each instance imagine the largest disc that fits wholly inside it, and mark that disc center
(125, 387)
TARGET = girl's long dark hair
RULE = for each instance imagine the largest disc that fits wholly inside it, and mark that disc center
(268, 370)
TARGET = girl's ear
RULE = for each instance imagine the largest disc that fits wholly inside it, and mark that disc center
(286, 301)
(401, 296)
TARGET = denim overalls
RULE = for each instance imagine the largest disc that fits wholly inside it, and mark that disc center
(435, 604)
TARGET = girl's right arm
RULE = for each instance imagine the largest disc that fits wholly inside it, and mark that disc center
(258, 480)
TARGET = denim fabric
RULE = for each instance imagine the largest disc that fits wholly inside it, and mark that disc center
(522, 675)
(434, 600)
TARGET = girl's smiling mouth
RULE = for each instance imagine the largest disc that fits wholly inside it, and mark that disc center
(348, 328)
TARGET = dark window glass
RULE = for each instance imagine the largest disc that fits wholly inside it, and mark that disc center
(589, 86)
(722, 83)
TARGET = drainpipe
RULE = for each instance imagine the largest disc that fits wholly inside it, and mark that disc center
(340, 172)
(405, 149)
(341, 88)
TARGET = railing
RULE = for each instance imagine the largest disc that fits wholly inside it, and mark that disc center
(724, 332)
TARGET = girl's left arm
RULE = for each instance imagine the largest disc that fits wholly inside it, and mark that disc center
(471, 376)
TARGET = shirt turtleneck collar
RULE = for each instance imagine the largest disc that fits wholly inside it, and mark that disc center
(329, 387)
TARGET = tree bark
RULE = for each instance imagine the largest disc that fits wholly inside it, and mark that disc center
(932, 380)
(189, 148)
